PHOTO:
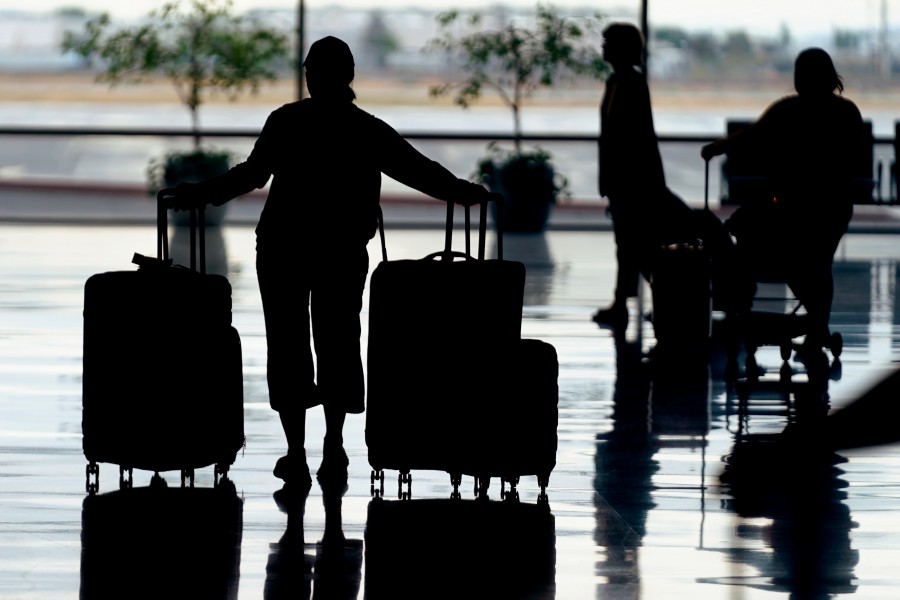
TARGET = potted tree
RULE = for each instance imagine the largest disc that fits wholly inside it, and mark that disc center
(201, 48)
(513, 62)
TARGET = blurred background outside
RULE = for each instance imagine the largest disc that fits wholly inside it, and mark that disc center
(708, 62)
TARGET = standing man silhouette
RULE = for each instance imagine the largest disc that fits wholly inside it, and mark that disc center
(325, 157)
(631, 174)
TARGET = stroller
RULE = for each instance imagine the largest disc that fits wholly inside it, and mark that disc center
(781, 268)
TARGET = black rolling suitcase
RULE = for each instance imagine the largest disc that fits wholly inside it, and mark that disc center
(162, 369)
(433, 324)
(444, 355)
(514, 430)
(681, 282)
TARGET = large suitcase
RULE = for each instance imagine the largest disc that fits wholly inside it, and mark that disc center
(162, 369)
(445, 366)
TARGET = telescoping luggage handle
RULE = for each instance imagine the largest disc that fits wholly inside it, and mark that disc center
(706, 184)
(164, 201)
(447, 253)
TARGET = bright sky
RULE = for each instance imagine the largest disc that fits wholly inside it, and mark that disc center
(758, 16)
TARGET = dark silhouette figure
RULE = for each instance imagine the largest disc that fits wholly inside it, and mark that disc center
(325, 157)
(811, 146)
(645, 213)
(631, 171)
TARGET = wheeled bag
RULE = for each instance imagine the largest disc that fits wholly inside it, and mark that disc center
(447, 369)
(681, 282)
(162, 368)
(514, 429)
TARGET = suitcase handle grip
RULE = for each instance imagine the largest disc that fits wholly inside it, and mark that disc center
(706, 184)
(164, 201)
(482, 227)
(444, 255)
(379, 217)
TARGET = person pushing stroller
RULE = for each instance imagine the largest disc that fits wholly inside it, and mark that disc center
(811, 144)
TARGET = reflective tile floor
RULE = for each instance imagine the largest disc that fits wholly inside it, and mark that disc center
(636, 508)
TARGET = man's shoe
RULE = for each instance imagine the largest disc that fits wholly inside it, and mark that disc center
(612, 317)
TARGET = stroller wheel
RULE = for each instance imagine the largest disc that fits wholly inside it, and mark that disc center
(751, 368)
(787, 348)
(836, 344)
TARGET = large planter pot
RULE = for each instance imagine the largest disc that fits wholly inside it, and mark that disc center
(192, 167)
(529, 191)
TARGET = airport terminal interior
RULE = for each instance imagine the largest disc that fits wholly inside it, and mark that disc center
(673, 475)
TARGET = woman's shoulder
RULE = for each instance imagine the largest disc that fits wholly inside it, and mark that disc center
(848, 105)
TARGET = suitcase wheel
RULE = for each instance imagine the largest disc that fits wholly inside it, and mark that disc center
(455, 481)
(92, 478)
(377, 475)
(836, 344)
(187, 478)
(787, 348)
(125, 478)
(513, 493)
(751, 367)
(481, 486)
(404, 479)
(220, 474)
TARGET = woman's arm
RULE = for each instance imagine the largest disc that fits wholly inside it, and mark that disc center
(402, 162)
(253, 173)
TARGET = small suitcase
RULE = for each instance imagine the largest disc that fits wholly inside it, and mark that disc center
(681, 287)
(682, 299)
(444, 358)
(515, 431)
(162, 368)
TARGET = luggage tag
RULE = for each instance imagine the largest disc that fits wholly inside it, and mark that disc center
(151, 263)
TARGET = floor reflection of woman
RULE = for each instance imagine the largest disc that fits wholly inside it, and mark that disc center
(336, 567)
(624, 467)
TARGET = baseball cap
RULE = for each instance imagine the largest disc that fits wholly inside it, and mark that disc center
(331, 55)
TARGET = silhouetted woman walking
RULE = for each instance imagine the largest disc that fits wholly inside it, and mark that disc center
(631, 171)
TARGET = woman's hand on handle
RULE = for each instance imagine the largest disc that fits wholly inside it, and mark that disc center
(478, 194)
(184, 196)
(712, 149)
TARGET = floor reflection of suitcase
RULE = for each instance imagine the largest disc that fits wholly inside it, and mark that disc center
(162, 373)
(157, 542)
(469, 549)
(451, 385)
